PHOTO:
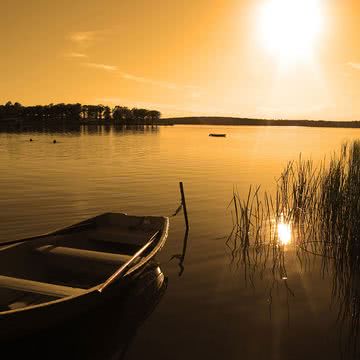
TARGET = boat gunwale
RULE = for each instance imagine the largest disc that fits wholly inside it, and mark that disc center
(95, 289)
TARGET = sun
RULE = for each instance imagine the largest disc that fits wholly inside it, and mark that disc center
(290, 29)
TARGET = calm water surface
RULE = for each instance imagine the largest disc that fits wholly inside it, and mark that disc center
(214, 309)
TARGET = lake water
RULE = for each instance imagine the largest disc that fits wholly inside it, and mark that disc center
(213, 310)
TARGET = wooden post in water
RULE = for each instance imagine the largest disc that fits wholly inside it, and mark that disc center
(183, 202)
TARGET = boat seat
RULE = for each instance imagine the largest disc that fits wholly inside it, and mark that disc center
(39, 287)
(96, 256)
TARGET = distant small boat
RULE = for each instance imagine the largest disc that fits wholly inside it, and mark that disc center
(218, 135)
(50, 278)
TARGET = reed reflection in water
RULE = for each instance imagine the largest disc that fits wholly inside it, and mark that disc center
(315, 211)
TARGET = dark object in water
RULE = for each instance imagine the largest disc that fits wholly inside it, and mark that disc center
(31, 139)
(54, 141)
(218, 135)
(116, 321)
(51, 278)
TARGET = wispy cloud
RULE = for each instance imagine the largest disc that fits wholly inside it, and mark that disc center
(82, 36)
(76, 55)
(84, 39)
(194, 91)
(170, 109)
(355, 66)
(144, 80)
(105, 67)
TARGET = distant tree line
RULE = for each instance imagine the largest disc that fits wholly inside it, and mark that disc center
(78, 112)
(224, 121)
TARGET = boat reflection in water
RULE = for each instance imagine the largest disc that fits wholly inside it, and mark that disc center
(102, 334)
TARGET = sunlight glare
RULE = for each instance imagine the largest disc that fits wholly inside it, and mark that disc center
(289, 29)
(284, 233)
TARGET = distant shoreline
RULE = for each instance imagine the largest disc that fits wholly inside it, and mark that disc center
(20, 123)
(227, 121)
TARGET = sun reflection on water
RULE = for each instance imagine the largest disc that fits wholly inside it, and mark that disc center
(284, 233)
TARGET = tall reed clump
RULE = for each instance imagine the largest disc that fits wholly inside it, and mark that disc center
(340, 230)
(263, 222)
(322, 203)
(340, 199)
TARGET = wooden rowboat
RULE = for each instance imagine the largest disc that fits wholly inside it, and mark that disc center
(48, 279)
(113, 325)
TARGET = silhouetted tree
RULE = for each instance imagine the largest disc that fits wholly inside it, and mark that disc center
(122, 115)
(100, 112)
(91, 112)
(154, 116)
(107, 113)
(139, 115)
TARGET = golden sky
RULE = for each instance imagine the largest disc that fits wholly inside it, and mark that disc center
(247, 58)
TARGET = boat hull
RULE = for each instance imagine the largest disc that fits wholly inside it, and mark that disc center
(114, 323)
(217, 135)
(21, 323)
(19, 320)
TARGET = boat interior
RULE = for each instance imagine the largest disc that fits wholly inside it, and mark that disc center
(70, 261)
